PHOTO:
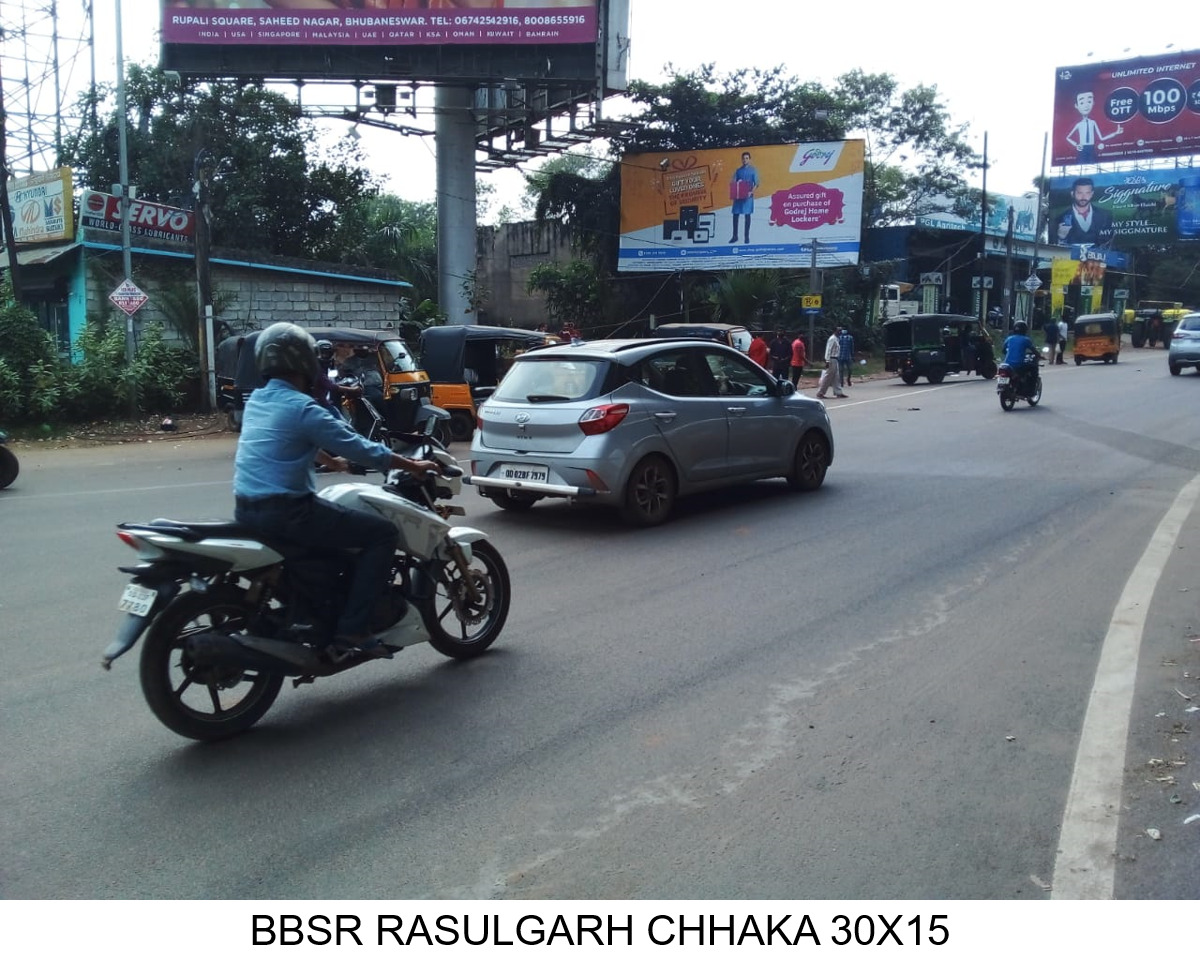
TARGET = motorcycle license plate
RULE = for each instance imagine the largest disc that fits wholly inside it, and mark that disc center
(1002, 382)
(528, 473)
(137, 600)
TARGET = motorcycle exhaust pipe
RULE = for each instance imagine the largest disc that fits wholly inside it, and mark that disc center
(252, 653)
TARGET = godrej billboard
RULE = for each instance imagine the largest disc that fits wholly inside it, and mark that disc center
(743, 207)
(379, 22)
(1127, 110)
(1111, 211)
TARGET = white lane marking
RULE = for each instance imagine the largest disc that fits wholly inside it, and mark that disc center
(120, 489)
(1085, 868)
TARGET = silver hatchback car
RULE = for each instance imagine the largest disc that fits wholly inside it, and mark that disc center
(1185, 344)
(635, 424)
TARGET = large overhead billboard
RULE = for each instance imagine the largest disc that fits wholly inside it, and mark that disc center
(742, 207)
(1024, 217)
(1141, 108)
(1132, 207)
(373, 23)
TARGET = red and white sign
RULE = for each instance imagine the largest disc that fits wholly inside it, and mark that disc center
(103, 211)
(128, 298)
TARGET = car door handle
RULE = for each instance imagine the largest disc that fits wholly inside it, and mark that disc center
(736, 411)
(665, 416)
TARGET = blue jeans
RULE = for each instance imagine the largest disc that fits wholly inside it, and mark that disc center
(308, 521)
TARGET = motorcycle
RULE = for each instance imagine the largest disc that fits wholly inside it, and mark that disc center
(1013, 385)
(228, 615)
(9, 467)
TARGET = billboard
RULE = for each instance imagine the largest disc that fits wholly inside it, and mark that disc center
(1132, 207)
(1127, 110)
(742, 207)
(379, 22)
(1024, 217)
(103, 212)
(41, 207)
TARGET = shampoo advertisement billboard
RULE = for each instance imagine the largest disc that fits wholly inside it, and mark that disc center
(1141, 108)
(742, 207)
(379, 22)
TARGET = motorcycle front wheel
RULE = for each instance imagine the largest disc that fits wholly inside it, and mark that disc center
(461, 627)
(1034, 398)
(203, 703)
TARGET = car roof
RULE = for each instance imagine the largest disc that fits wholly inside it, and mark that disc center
(624, 350)
(682, 328)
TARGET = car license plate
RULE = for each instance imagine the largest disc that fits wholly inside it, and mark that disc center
(527, 474)
(137, 600)
(1002, 382)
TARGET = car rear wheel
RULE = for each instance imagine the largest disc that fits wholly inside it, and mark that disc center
(650, 493)
(514, 501)
(810, 464)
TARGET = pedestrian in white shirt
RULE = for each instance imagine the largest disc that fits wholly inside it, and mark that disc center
(832, 375)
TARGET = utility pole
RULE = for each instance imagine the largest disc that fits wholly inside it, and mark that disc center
(126, 252)
(201, 182)
(1008, 273)
(10, 240)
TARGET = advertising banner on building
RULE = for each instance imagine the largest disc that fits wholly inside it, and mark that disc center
(42, 207)
(379, 22)
(103, 212)
(1137, 109)
(1132, 207)
(743, 207)
(1024, 217)
(1088, 275)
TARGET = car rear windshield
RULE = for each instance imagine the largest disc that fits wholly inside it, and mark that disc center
(1190, 323)
(546, 379)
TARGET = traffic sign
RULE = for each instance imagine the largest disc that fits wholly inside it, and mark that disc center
(128, 298)
(810, 302)
(1033, 283)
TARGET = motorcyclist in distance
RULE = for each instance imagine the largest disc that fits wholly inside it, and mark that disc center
(326, 390)
(284, 431)
(1016, 345)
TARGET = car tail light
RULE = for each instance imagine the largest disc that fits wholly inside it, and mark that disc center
(597, 421)
(1178, 335)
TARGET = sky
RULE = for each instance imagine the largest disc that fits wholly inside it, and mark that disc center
(995, 73)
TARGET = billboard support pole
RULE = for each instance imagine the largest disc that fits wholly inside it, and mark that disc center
(455, 129)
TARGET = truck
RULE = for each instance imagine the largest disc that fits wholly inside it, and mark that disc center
(891, 305)
(1152, 322)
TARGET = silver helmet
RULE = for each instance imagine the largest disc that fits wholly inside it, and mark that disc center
(285, 348)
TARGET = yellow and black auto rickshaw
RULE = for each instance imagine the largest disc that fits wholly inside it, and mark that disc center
(404, 385)
(465, 363)
(1097, 337)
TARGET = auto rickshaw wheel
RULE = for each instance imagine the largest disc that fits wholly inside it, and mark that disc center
(936, 375)
(1078, 361)
(988, 371)
(1107, 358)
(909, 376)
(462, 426)
(1137, 337)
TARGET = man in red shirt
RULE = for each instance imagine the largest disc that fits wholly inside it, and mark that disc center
(758, 351)
(799, 359)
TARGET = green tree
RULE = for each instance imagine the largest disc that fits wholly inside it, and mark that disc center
(400, 236)
(573, 292)
(269, 192)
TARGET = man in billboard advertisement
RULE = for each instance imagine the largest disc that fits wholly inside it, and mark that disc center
(809, 194)
(379, 22)
(1084, 223)
(1140, 108)
(1125, 208)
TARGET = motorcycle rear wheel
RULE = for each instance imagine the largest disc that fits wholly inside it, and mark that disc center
(1008, 400)
(210, 703)
(467, 631)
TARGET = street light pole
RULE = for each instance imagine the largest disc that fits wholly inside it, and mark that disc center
(126, 253)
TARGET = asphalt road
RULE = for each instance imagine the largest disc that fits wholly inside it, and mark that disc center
(875, 691)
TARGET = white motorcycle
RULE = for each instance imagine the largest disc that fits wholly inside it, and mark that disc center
(228, 614)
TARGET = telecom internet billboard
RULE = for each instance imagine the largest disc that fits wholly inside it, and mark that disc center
(742, 207)
(379, 22)
(1141, 108)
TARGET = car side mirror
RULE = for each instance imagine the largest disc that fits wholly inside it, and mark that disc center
(786, 389)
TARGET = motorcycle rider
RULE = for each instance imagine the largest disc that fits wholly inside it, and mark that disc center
(1016, 345)
(284, 431)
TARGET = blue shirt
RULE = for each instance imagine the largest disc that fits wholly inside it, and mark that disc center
(282, 429)
(1015, 348)
(845, 346)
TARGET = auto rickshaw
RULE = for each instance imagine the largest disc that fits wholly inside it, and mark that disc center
(1097, 337)
(933, 345)
(465, 363)
(405, 386)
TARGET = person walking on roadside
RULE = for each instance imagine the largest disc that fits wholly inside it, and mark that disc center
(781, 355)
(831, 375)
(758, 351)
(845, 356)
(1051, 329)
(799, 358)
